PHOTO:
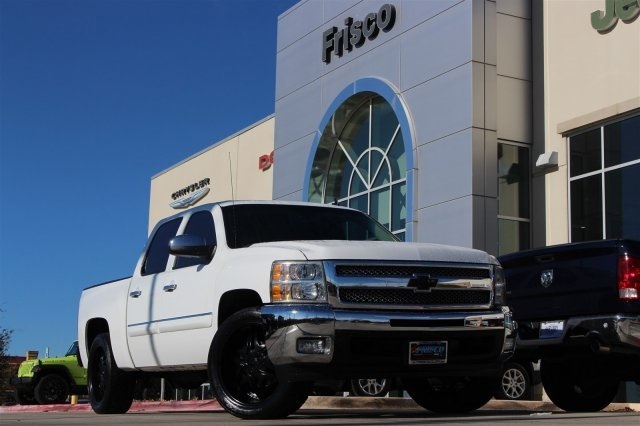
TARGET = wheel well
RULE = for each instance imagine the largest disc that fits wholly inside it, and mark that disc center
(94, 327)
(235, 300)
(57, 369)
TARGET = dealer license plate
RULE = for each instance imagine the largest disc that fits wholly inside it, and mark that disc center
(433, 352)
(551, 329)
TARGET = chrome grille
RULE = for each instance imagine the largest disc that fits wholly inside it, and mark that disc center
(399, 271)
(404, 296)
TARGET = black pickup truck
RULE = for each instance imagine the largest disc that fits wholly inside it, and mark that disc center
(578, 311)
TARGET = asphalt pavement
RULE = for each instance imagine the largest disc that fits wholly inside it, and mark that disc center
(313, 403)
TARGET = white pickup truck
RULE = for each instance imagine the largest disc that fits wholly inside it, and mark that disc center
(262, 299)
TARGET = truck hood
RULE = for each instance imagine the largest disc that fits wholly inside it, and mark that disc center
(382, 250)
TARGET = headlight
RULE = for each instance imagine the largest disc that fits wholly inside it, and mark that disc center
(499, 285)
(298, 282)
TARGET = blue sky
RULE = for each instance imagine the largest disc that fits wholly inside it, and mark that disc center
(96, 97)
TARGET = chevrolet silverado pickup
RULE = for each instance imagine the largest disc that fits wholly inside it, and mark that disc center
(578, 310)
(262, 299)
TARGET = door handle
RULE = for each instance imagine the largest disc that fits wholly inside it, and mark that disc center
(170, 287)
(135, 294)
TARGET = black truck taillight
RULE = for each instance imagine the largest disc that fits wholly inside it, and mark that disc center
(629, 278)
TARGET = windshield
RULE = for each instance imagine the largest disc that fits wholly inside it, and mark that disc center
(247, 224)
(73, 349)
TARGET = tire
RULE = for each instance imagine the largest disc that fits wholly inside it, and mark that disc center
(515, 383)
(110, 389)
(51, 389)
(453, 395)
(242, 376)
(578, 385)
(24, 397)
(370, 387)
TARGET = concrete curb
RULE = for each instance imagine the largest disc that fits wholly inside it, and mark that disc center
(313, 403)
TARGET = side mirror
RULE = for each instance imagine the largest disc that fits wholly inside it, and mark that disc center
(190, 246)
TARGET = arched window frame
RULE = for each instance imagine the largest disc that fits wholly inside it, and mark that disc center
(356, 93)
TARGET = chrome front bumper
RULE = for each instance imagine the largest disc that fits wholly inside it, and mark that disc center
(288, 324)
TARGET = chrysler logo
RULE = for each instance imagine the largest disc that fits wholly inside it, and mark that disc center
(190, 200)
(546, 278)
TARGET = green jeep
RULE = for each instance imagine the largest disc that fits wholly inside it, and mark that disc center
(50, 380)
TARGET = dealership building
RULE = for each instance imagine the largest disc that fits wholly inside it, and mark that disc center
(499, 125)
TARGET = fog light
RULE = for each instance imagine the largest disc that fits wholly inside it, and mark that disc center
(315, 345)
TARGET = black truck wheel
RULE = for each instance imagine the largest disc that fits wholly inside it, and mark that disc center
(370, 387)
(455, 395)
(515, 382)
(578, 385)
(242, 376)
(110, 389)
(51, 389)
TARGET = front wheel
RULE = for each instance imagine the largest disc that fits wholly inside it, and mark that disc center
(51, 389)
(370, 387)
(242, 376)
(454, 395)
(515, 382)
(578, 385)
(110, 389)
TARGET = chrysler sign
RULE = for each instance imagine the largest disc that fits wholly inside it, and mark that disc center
(355, 33)
(190, 195)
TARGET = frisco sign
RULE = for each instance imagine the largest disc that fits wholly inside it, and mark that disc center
(355, 33)
(627, 10)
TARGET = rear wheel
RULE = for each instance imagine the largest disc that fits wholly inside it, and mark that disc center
(51, 389)
(453, 395)
(110, 389)
(242, 376)
(578, 385)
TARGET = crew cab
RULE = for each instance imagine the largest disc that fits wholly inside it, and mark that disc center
(262, 299)
(578, 311)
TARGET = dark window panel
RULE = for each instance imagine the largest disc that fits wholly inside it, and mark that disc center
(586, 209)
(622, 202)
(622, 141)
(585, 153)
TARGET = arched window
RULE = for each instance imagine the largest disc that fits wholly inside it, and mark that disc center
(361, 162)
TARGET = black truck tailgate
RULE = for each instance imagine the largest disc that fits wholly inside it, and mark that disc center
(568, 280)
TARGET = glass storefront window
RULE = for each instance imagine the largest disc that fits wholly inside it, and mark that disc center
(585, 152)
(603, 195)
(622, 142)
(586, 209)
(513, 198)
(514, 235)
(622, 204)
(361, 162)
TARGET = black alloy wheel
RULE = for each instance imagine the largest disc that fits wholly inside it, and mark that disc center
(110, 389)
(51, 389)
(243, 377)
